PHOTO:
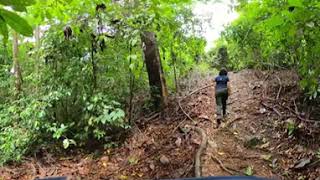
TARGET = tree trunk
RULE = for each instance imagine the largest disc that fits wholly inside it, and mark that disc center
(158, 88)
(174, 61)
(16, 65)
(94, 65)
(37, 61)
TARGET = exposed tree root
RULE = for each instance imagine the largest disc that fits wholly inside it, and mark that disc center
(203, 145)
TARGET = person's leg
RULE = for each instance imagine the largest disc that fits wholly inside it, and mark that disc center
(218, 109)
(224, 104)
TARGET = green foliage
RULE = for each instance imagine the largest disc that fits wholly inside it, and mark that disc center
(17, 23)
(75, 90)
(249, 171)
(291, 127)
(277, 34)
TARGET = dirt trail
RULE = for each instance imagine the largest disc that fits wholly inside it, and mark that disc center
(227, 145)
(158, 148)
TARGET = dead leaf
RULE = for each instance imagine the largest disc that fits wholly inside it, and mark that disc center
(105, 159)
(164, 160)
(266, 157)
(302, 163)
(203, 116)
(152, 166)
(178, 142)
(264, 146)
(123, 177)
(133, 160)
(196, 141)
(212, 144)
(262, 110)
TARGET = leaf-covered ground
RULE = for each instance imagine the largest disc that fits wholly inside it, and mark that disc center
(253, 140)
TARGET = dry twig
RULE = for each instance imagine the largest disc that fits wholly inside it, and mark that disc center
(221, 165)
(184, 112)
(280, 89)
(195, 91)
(272, 108)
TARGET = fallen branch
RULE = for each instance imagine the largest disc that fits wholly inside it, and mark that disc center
(174, 130)
(197, 170)
(272, 108)
(297, 114)
(152, 117)
(221, 165)
(233, 121)
(195, 91)
(184, 112)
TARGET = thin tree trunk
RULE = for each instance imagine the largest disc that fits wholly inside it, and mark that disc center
(94, 66)
(158, 88)
(131, 79)
(174, 60)
(37, 61)
(16, 65)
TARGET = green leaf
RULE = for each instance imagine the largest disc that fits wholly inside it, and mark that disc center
(290, 127)
(295, 3)
(16, 22)
(4, 29)
(249, 171)
(20, 8)
(274, 21)
(17, 2)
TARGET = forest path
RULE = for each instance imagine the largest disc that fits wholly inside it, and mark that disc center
(253, 139)
(230, 149)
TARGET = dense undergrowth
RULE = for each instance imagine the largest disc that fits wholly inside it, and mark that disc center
(76, 78)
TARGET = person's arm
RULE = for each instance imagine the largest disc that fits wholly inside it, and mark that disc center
(229, 86)
(214, 80)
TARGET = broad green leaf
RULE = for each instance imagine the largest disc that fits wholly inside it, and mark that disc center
(16, 22)
(19, 8)
(274, 21)
(295, 3)
(4, 29)
(17, 2)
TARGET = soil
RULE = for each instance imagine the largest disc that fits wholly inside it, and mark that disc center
(252, 140)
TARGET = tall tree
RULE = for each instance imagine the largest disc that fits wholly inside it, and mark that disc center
(158, 88)
(16, 64)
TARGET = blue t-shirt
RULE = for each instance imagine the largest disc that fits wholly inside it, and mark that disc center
(222, 82)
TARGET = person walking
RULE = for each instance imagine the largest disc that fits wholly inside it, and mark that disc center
(221, 93)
